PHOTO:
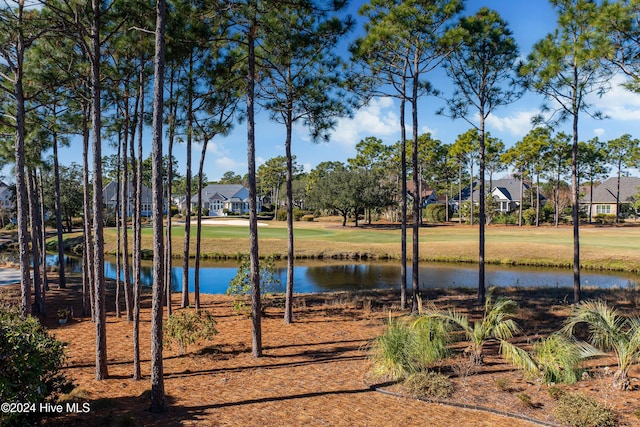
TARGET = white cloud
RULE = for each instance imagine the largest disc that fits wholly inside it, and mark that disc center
(517, 124)
(224, 163)
(427, 129)
(618, 103)
(598, 131)
(376, 119)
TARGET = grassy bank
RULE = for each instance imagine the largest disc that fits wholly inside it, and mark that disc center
(606, 248)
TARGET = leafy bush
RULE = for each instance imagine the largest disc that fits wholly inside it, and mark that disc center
(189, 326)
(435, 213)
(605, 218)
(529, 216)
(240, 285)
(505, 218)
(577, 410)
(525, 400)
(308, 218)
(297, 214)
(430, 384)
(30, 364)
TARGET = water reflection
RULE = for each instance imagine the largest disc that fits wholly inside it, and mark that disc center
(330, 276)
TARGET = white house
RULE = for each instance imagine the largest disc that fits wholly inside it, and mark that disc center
(506, 192)
(221, 199)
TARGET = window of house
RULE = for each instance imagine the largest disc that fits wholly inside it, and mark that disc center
(603, 209)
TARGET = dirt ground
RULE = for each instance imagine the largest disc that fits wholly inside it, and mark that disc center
(314, 372)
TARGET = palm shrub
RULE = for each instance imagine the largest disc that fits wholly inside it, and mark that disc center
(608, 330)
(554, 359)
(496, 323)
(405, 348)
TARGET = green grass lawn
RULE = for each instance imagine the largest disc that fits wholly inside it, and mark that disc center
(615, 248)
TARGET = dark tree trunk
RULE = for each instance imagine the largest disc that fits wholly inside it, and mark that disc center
(137, 217)
(21, 187)
(124, 209)
(34, 219)
(56, 173)
(88, 284)
(575, 211)
(168, 248)
(157, 376)
(196, 277)
(98, 226)
(481, 214)
(254, 278)
(288, 312)
(187, 222)
(403, 225)
(416, 199)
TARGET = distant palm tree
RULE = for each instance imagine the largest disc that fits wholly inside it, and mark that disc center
(497, 323)
(610, 331)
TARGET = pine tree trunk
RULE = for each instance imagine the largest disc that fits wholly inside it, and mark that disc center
(34, 219)
(187, 222)
(256, 307)
(288, 312)
(21, 187)
(157, 376)
(98, 226)
(88, 284)
(56, 172)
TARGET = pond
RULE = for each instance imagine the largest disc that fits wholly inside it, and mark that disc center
(330, 276)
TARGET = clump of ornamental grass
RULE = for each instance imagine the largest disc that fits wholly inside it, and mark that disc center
(407, 347)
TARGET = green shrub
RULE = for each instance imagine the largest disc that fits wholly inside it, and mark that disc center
(189, 326)
(555, 392)
(30, 364)
(429, 384)
(525, 400)
(578, 410)
(605, 218)
(529, 216)
(503, 384)
(435, 213)
(240, 285)
(308, 218)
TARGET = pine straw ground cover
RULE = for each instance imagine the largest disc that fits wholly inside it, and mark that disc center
(314, 372)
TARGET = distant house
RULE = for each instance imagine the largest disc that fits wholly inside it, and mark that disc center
(428, 195)
(604, 196)
(221, 199)
(110, 197)
(7, 200)
(506, 192)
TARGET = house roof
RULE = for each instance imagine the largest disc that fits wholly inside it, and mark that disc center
(110, 191)
(509, 187)
(225, 192)
(606, 192)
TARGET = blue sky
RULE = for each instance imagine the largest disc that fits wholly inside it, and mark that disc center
(529, 20)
